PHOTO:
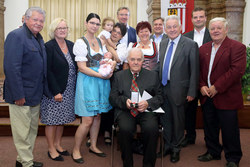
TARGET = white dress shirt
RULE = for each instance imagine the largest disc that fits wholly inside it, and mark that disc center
(211, 62)
(199, 36)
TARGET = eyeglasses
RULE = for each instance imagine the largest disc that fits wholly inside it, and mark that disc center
(62, 28)
(118, 32)
(93, 23)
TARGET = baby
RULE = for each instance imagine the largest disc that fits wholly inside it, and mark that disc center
(107, 26)
(106, 65)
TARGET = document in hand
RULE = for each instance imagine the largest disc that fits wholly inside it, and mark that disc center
(146, 96)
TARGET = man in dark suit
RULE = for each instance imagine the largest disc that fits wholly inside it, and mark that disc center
(128, 115)
(159, 34)
(222, 65)
(179, 75)
(201, 35)
(123, 16)
(25, 71)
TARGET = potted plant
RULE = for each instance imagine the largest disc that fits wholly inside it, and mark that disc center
(246, 77)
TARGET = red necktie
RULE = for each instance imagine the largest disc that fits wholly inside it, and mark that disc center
(134, 88)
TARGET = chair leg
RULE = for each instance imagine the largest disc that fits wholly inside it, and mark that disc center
(161, 146)
(112, 145)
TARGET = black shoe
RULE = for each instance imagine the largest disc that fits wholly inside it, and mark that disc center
(98, 154)
(35, 164)
(186, 142)
(175, 157)
(18, 164)
(88, 144)
(65, 153)
(58, 158)
(208, 157)
(232, 164)
(107, 140)
(79, 160)
(165, 153)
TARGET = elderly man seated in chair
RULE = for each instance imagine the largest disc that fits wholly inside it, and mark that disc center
(131, 108)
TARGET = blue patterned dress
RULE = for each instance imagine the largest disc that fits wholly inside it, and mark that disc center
(59, 113)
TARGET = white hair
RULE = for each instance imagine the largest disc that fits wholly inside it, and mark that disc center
(172, 17)
(221, 19)
(29, 11)
(135, 50)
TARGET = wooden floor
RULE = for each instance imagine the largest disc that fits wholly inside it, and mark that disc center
(188, 155)
(243, 115)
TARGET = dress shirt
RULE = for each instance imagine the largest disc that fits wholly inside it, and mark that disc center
(176, 41)
(213, 53)
(198, 36)
(157, 40)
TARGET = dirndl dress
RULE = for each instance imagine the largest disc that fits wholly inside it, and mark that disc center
(92, 93)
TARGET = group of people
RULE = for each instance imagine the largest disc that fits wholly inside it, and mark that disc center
(176, 70)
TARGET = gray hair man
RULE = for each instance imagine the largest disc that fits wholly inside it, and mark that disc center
(127, 86)
(179, 74)
(25, 68)
(223, 63)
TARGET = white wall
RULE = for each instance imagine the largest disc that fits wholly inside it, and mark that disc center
(15, 9)
(246, 24)
(142, 6)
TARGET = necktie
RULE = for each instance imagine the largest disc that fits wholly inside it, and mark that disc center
(134, 88)
(166, 65)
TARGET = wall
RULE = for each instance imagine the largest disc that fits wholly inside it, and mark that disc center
(142, 6)
(246, 24)
(16, 8)
(13, 14)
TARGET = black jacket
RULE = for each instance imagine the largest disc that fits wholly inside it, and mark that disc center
(58, 68)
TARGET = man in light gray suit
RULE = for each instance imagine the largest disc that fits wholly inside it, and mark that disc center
(179, 73)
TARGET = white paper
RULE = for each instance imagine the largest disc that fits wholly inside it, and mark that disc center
(146, 96)
(135, 97)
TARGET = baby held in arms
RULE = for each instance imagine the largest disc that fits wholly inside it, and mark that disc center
(106, 65)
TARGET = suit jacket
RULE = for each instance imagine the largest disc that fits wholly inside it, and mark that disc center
(184, 72)
(165, 36)
(58, 67)
(131, 35)
(121, 89)
(228, 68)
(25, 67)
(207, 37)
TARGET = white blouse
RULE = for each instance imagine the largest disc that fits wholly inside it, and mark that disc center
(81, 51)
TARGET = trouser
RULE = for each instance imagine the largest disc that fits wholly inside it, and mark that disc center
(190, 120)
(173, 122)
(149, 129)
(226, 120)
(24, 126)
